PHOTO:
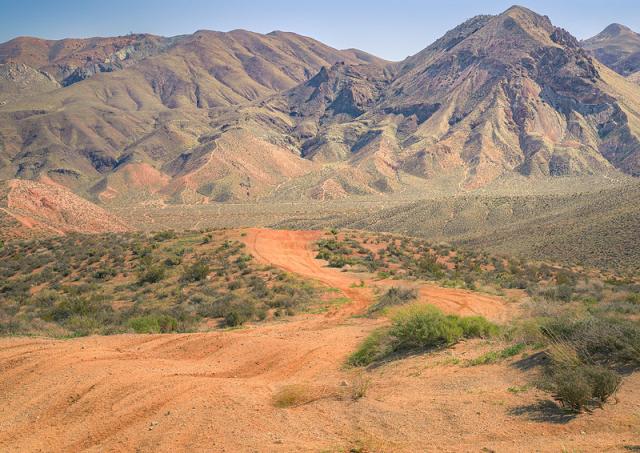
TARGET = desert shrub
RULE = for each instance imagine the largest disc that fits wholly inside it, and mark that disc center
(195, 272)
(394, 296)
(373, 348)
(239, 313)
(172, 261)
(562, 293)
(82, 325)
(164, 236)
(153, 323)
(46, 298)
(633, 298)
(338, 261)
(494, 356)
(428, 266)
(234, 284)
(78, 306)
(105, 273)
(295, 395)
(418, 328)
(607, 341)
(422, 327)
(151, 274)
(581, 386)
(477, 327)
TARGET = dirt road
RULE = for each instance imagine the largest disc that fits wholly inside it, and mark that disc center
(294, 251)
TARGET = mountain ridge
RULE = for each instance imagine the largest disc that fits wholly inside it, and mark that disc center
(242, 116)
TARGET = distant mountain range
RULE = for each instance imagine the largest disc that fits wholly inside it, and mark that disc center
(216, 117)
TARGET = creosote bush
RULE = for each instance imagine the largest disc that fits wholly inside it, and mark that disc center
(578, 385)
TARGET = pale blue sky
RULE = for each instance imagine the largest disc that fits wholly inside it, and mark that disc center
(391, 29)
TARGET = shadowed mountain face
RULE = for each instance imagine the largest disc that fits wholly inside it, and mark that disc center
(618, 47)
(231, 116)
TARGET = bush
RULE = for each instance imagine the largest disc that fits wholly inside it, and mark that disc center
(429, 267)
(478, 327)
(417, 328)
(239, 313)
(581, 386)
(606, 341)
(373, 348)
(422, 327)
(81, 326)
(76, 305)
(196, 272)
(151, 274)
(394, 296)
(494, 356)
(153, 323)
(294, 395)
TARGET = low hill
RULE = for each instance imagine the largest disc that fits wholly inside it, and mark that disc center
(30, 208)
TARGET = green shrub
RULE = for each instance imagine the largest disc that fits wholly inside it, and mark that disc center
(494, 356)
(477, 327)
(151, 274)
(606, 341)
(373, 348)
(153, 323)
(46, 298)
(164, 235)
(418, 328)
(81, 325)
(428, 266)
(77, 305)
(239, 313)
(196, 272)
(422, 327)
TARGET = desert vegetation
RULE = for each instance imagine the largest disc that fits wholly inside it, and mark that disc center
(581, 323)
(419, 328)
(146, 283)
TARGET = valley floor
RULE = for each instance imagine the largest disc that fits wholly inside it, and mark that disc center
(215, 391)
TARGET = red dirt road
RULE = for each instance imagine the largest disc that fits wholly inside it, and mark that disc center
(294, 252)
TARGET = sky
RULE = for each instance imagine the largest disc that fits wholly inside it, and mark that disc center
(391, 29)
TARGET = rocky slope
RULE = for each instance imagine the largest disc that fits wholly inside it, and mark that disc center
(236, 116)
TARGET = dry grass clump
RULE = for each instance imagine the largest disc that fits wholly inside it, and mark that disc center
(294, 395)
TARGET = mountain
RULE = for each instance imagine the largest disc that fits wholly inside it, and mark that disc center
(497, 95)
(242, 116)
(145, 110)
(618, 47)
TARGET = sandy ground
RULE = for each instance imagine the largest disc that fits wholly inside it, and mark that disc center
(213, 392)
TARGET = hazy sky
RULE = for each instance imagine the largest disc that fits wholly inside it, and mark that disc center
(391, 29)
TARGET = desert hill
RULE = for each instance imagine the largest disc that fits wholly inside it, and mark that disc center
(35, 209)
